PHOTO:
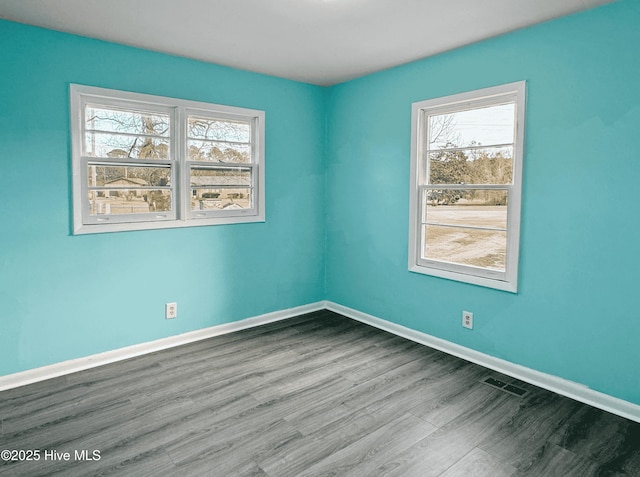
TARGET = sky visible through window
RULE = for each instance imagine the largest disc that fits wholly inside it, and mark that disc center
(485, 126)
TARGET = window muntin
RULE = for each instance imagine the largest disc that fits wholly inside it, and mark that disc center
(221, 169)
(221, 188)
(128, 160)
(128, 189)
(217, 140)
(466, 171)
(142, 161)
(116, 132)
(472, 234)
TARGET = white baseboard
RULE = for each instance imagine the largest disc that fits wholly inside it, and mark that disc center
(71, 366)
(558, 385)
(570, 389)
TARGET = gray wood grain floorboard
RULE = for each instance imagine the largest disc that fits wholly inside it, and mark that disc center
(57, 432)
(478, 463)
(309, 419)
(213, 468)
(437, 452)
(611, 441)
(551, 460)
(314, 395)
(373, 448)
(534, 423)
(147, 464)
(323, 443)
(444, 408)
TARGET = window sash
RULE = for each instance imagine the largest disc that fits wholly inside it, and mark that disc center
(420, 180)
(208, 165)
(454, 266)
(88, 218)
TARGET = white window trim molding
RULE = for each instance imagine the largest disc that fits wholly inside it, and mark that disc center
(181, 215)
(507, 280)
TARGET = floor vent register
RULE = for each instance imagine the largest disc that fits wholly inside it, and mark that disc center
(509, 388)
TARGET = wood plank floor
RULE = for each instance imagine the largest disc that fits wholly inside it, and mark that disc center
(317, 395)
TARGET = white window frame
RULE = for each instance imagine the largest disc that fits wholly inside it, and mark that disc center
(178, 110)
(506, 280)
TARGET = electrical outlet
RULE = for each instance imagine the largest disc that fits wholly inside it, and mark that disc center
(171, 310)
(467, 319)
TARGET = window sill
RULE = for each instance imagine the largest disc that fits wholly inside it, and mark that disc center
(86, 229)
(508, 286)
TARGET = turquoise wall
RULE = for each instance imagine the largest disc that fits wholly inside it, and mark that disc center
(67, 296)
(337, 204)
(576, 314)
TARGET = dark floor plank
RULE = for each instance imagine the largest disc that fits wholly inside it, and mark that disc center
(539, 417)
(308, 419)
(452, 394)
(478, 463)
(375, 448)
(610, 441)
(439, 451)
(551, 460)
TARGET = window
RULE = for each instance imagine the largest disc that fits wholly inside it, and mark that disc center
(148, 162)
(466, 176)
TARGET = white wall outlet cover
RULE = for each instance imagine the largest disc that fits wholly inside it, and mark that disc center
(467, 319)
(171, 310)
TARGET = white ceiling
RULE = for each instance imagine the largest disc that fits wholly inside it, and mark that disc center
(315, 41)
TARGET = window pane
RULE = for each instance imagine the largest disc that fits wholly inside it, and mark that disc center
(481, 126)
(479, 248)
(472, 166)
(127, 176)
(219, 130)
(219, 151)
(473, 208)
(221, 198)
(221, 176)
(99, 144)
(130, 122)
(129, 201)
